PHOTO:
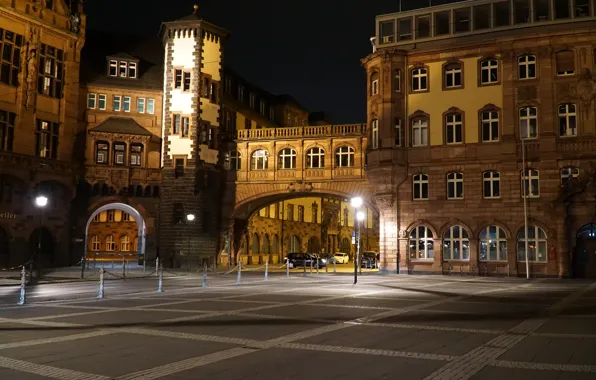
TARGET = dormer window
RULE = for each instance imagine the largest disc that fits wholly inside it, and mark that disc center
(122, 69)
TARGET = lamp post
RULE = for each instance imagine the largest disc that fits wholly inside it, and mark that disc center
(359, 218)
(41, 202)
(356, 203)
(189, 218)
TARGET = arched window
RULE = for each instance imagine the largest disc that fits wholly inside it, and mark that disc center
(266, 245)
(493, 244)
(315, 158)
(287, 159)
(536, 244)
(294, 244)
(374, 83)
(259, 160)
(421, 243)
(95, 244)
(374, 127)
(344, 157)
(235, 160)
(420, 186)
(456, 244)
(110, 244)
(125, 243)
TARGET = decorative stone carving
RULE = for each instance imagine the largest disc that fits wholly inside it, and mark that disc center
(75, 21)
(32, 48)
(403, 234)
(585, 89)
(299, 186)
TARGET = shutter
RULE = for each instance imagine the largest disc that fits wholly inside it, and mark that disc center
(565, 61)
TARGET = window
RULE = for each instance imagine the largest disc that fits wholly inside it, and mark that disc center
(442, 23)
(565, 62)
(489, 71)
(404, 29)
(51, 71)
(235, 160)
(214, 92)
(290, 212)
(110, 245)
(228, 85)
(491, 185)
(493, 244)
(521, 11)
(419, 79)
(185, 126)
(102, 152)
(422, 26)
(530, 183)
(421, 243)
(132, 70)
(287, 159)
(482, 15)
(182, 80)
(46, 139)
(262, 107)
(126, 104)
(419, 133)
(123, 69)
(116, 102)
(502, 13)
(119, 153)
(91, 101)
(113, 68)
(7, 123)
(527, 66)
(455, 186)
(567, 120)
(562, 8)
(301, 214)
(375, 133)
(387, 31)
(454, 128)
(582, 8)
(315, 158)
(453, 75)
(528, 122)
(150, 106)
(125, 217)
(462, 21)
(11, 57)
(490, 126)
(252, 100)
(179, 165)
(102, 102)
(397, 131)
(179, 216)
(567, 174)
(456, 244)
(541, 10)
(241, 93)
(420, 187)
(397, 80)
(344, 157)
(272, 113)
(259, 160)
(125, 243)
(346, 218)
(141, 105)
(536, 244)
(95, 244)
(181, 125)
(136, 154)
(374, 83)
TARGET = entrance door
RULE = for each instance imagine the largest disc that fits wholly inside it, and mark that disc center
(584, 256)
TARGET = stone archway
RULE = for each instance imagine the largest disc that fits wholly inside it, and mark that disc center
(139, 219)
(584, 255)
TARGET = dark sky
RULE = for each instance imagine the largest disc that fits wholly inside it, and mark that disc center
(310, 49)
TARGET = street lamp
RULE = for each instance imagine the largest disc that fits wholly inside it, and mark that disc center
(357, 202)
(41, 202)
(190, 218)
(359, 217)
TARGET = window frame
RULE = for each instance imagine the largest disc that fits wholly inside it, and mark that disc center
(529, 60)
(489, 111)
(12, 65)
(397, 130)
(312, 156)
(416, 76)
(125, 244)
(151, 101)
(349, 152)
(137, 154)
(91, 101)
(117, 100)
(102, 98)
(489, 68)
(235, 160)
(287, 159)
(532, 176)
(420, 181)
(453, 180)
(126, 100)
(450, 120)
(452, 70)
(7, 128)
(425, 238)
(182, 79)
(105, 151)
(110, 244)
(374, 133)
(491, 177)
(51, 80)
(418, 123)
(536, 241)
(52, 139)
(397, 80)
(485, 240)
(558, 57)
(117, 153)
(374, 83)
(528, 118)
(567, 116)
(141, 105)
(567, 173)
(95, 243)
(449, 237)
(259, 155)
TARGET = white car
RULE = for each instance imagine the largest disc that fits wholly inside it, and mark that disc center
(341, 258)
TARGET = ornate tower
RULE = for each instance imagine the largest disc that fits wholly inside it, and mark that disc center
(190, 202)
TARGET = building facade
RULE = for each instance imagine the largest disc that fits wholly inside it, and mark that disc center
(41, 45)
(473, 107)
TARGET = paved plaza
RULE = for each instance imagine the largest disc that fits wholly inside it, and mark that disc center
(315, 327)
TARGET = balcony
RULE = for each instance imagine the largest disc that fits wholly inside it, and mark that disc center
(303, 132)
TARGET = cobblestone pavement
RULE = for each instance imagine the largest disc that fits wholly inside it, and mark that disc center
(315, 327)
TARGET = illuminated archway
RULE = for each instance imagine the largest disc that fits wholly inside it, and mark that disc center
(140, 221)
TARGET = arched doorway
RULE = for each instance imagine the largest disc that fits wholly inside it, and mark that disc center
(274, 245)
(294, 245)
(41, 246)
(266, 245)
(584, 255)
(255, 247)
(4, 248)
(111, 229)
(314, 246)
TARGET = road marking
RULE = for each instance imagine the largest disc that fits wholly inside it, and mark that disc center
(47, 371)
(58, 339)
(543, 366)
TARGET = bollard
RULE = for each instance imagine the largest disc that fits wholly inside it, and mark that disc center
(288, 269)
(204, 276)
(304, 266)
(317, 266)
(311, 266)
(83, 267)
(101, 272)
(239, 279)
(327, 265)
(266, 270)
(334, 262)
(23, 281)
(157, 266)
(123, 267)
(160, 281)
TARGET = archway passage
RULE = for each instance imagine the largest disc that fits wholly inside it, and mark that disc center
(4, 248)
(314, 245)
(41, 247)
(584, 256)
(115, 231)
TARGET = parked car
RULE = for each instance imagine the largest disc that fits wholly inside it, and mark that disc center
(369, 260)
(322, 261)
(341, 258)
(300, 259)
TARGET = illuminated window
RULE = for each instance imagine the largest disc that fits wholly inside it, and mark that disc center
(455, 186)
(110, 244)
(536, 244)
(491, 185)
(421, 243)
(420, 187)
(530, 183)
(95, 244)
(493, 244)
(456, 244)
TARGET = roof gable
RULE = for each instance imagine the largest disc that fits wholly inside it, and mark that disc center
(122, 125)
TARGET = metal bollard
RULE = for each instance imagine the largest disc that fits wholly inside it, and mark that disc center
(101, 272)
(160, 281)
(83, 267)
(310, 266)
(266, 270)
(239, 279)
(304, 266)
(327, 265)
(23, 282)
(334, 262)
(123, 267)
(157, 266)
(317, 266)
(288, 269)
(204, 276)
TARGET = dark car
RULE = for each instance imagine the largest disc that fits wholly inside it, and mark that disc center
(298, 259)
(369, 260)
(322, 261)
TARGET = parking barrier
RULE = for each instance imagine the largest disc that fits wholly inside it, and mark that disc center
(160, 281)
(334, 268)
(266, 270)
(101, 285)
(157, 266)
(310, 266)
(204, 276)
(23, 282)
(287, 269)
(123, 268)
(317, 266)
(304, 266)
(239, 279)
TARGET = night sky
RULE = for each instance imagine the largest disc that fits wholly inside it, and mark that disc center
(310, 49)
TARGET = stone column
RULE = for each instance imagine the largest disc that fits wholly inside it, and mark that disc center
(474, 256)
(512, 257)
(388, 242)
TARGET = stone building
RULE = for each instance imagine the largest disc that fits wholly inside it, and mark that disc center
(39, 95)
(472, 107)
